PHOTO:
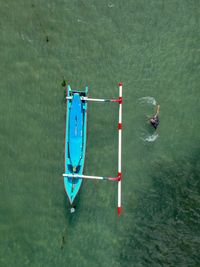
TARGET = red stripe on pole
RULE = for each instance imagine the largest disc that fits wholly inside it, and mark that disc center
(114, 178)
(119, 211)
(117, 100)
(120, 84)
(120, 100)
(120, 126)
(119, 177)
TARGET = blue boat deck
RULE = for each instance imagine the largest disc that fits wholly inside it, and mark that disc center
(75, 131)
(75, 141)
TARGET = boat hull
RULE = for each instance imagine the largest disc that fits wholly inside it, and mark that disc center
(75, 141)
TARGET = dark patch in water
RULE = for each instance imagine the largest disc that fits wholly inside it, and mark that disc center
(62, 242)
(63, 85)
(165, 230)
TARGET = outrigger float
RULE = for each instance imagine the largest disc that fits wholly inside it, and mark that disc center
(75, 142)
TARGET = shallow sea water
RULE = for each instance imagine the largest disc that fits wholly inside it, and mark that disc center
(153, 48)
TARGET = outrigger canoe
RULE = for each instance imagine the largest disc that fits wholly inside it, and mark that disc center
(75, 141)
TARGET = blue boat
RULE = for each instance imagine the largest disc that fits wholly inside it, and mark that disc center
(75, 140)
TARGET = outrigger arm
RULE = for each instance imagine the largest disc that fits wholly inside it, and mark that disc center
(94, 99)
(91, 177)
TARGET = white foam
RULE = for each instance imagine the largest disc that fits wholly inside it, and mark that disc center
(148, 100)
(150, 138)
(72, 210)
(111, 5)
(26, 38)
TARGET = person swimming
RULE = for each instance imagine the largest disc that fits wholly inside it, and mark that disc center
(155, 119)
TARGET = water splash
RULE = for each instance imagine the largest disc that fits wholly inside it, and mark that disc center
(148, 99)
(150, 138)
(110, 5)
(82, 21)
(72, 209)
(26, 38)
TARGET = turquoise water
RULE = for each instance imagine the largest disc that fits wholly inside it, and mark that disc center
(153, 48)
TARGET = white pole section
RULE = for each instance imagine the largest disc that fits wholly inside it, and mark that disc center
(120, 150)
(76, 175)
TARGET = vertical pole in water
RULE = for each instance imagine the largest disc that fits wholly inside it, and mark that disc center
(119, 149)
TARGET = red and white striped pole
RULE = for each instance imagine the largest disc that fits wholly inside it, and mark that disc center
(120, 149)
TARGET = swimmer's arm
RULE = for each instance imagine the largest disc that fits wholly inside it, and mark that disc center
(156, 114)
(148, 117)
(158, 110)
